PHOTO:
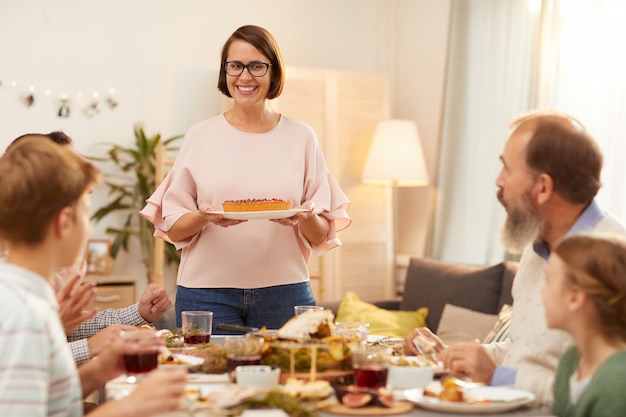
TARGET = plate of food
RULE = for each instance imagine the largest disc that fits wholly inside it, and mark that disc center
(179, 360)
(477, 400)
(217, 395)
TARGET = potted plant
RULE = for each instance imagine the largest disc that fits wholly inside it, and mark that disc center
(128, 190)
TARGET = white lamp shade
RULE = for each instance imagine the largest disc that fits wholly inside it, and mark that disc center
(395, 156)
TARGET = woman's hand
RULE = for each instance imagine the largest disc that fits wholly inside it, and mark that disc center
(191, 223)
(220, 220)
(313, 227)
(288, 221)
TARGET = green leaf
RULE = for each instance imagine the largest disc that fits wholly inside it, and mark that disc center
(128, 188)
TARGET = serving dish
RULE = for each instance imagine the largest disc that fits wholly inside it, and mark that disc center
(257, 215)
(479, 400)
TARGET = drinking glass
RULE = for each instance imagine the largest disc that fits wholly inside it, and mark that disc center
(241, 351)
(371, 365)
(303, 309)
(197, 326)
(353, 331)
(145, 357)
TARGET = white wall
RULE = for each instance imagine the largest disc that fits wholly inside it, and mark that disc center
(162, 57)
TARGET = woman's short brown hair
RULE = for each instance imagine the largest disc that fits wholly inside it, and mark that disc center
(263, 41)
(597, 265)
(561, 147)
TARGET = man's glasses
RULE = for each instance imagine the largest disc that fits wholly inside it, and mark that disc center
(255, 68)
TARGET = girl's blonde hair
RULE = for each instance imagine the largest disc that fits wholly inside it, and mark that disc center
(597, 265)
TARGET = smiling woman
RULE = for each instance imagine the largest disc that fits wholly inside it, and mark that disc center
(248, 154)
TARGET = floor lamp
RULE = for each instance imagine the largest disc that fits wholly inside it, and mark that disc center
(396, 159)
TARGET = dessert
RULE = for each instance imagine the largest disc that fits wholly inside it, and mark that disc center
(262, 204)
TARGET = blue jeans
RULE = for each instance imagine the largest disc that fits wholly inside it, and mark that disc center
(270, 306)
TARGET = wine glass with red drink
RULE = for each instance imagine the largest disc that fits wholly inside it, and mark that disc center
(371, 366)
(197, 327)
(146, 345)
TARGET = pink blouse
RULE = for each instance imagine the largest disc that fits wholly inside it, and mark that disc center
(217, 162)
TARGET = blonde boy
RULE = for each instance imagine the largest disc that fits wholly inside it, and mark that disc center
(44, 222)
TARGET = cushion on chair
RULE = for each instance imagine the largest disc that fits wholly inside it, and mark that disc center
(433, 284)
(460, 324)
(382, 322)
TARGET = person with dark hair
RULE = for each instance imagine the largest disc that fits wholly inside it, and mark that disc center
(90, 331)
(57, 137)
(248, 272)
(44, 221)
(583, 295)
(547, 185)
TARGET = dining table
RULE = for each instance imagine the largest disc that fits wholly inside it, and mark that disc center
(120, 386)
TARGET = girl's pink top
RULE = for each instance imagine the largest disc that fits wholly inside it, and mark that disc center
(217, 162)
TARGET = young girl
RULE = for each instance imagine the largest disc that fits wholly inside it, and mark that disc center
(584, 295)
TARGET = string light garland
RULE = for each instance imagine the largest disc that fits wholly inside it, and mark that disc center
(93, 107)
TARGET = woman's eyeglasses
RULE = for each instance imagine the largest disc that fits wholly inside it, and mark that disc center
(255, 68)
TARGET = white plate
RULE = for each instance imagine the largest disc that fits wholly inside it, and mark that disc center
(216, 395)
(201, 378)
(503, 399)
(189, 360)
(254, 215)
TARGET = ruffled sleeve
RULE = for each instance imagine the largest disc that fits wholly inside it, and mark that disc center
(179, 202)
(334, 204)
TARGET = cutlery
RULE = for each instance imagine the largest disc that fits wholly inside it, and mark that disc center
(236, 328)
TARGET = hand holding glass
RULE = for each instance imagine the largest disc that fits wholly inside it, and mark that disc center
(144, 345)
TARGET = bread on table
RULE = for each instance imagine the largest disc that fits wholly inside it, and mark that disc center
(313, 324)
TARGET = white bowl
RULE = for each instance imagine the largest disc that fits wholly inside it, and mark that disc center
(257, 376)
(403, 377)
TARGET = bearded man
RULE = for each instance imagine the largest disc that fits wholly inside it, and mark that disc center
(549, 178)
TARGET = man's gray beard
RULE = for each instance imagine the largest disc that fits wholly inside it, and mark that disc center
(523, 226)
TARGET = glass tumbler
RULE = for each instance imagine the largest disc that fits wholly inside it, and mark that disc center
(197, 326)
